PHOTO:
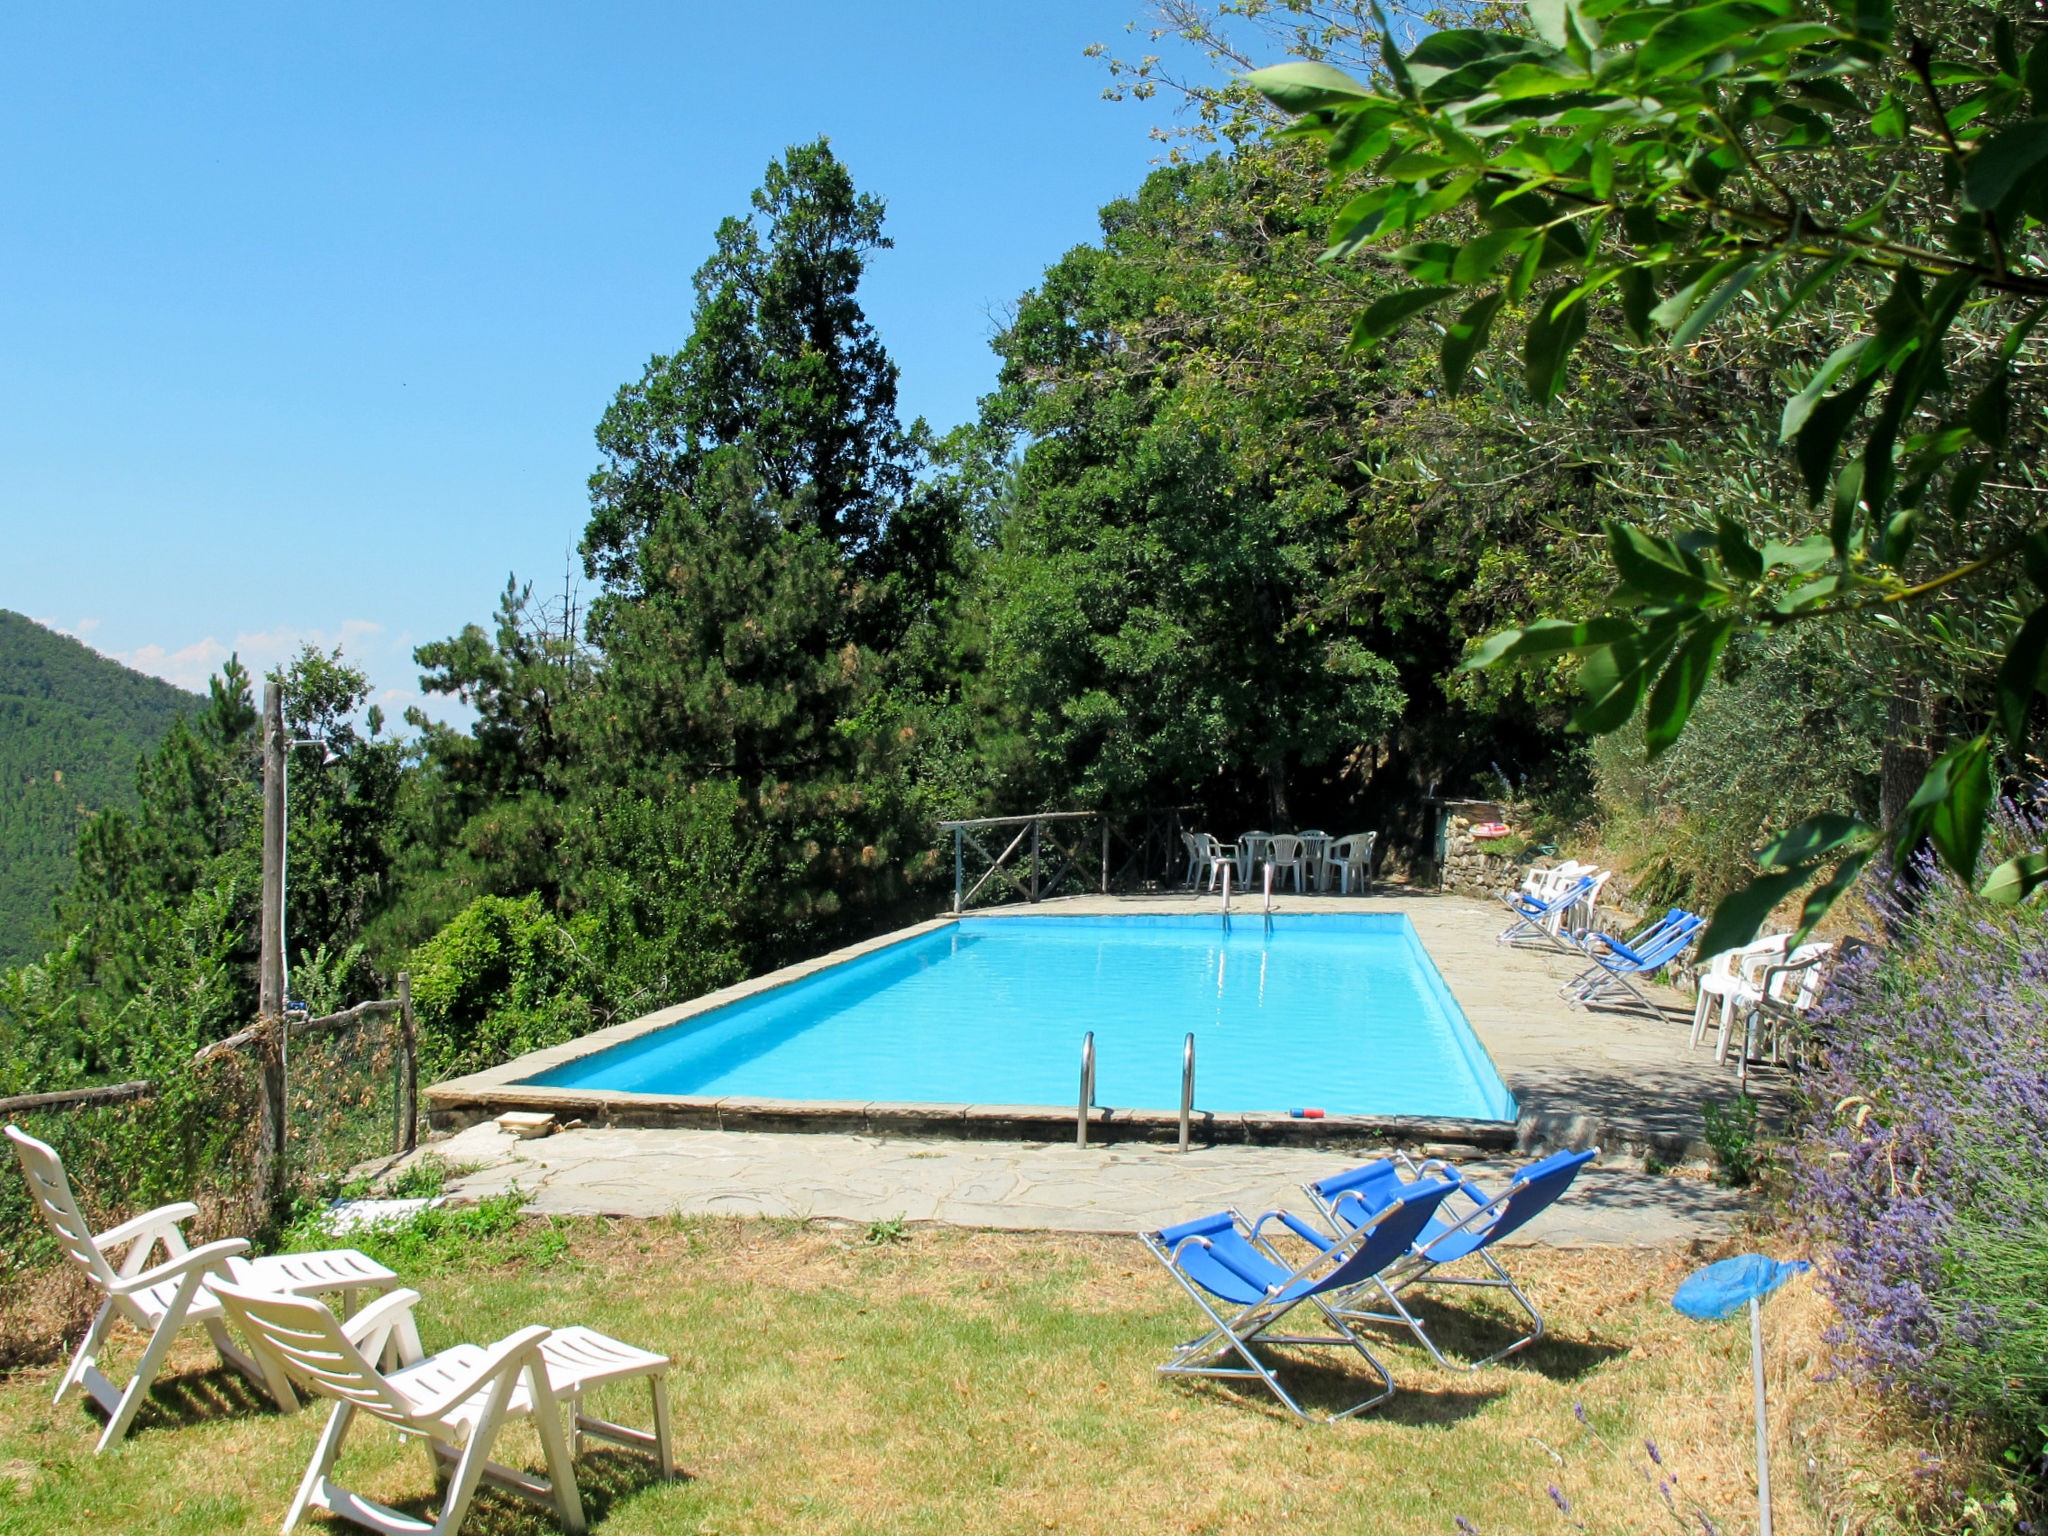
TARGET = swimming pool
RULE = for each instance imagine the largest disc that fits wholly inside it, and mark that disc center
(1343, 1012)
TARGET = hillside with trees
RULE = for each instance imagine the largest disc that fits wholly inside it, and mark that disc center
(72, 726)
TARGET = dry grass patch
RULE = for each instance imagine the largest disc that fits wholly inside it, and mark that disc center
(1004, 1383)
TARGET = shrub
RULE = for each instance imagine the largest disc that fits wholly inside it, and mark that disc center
(1922, 1169)
(503, 978)
(1731, 1132)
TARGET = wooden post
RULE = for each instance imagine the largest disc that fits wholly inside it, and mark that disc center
(269, 1044)
(408, 1070)
(1035, 825)
(959, 871)
(1105, 853)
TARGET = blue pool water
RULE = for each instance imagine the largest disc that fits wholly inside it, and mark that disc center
(1344, 1012)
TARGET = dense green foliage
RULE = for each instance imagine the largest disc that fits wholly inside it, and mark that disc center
(72, 724)
(1848, 178)
(1195, 551)
(504, 977)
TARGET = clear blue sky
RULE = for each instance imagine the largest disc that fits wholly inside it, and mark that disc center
(307, 313)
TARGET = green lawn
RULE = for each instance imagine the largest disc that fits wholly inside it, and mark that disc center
(996, 1383)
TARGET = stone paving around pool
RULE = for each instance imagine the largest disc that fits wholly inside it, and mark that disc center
(1622, 1081)
(1016, 1186)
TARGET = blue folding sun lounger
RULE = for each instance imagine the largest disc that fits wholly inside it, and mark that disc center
(1532, 917)
(1246, 1288)
(1465, 1228)
(1618, 962)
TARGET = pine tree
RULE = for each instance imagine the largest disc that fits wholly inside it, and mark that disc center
(781, 370)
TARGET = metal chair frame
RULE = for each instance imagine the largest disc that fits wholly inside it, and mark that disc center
(1418, 1266)
(1289, 1287)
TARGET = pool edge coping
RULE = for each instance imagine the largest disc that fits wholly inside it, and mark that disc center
(458, 1102)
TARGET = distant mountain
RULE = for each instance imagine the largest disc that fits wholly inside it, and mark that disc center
(72, 724)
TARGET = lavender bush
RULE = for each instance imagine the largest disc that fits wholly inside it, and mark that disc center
(1923, 1172)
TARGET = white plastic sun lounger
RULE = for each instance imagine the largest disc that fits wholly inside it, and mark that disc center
(161, 1301)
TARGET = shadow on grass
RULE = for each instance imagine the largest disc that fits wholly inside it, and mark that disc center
(188, 1398)
(606, 1479)
(1466, 1335)
(1323, 1389)
(1565, 1359)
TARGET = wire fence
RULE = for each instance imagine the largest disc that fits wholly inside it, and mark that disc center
(197, 1133)
(192, 1138)
(350, 1095)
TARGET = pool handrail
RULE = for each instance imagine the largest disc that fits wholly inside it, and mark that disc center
(1087, 1088)
(1187, 1087)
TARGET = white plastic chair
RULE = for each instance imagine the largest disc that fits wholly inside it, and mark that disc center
(1251, 853)
(456, 1400)
(159, 1302)
(1346, 857)
(1287, 854)
(1579, 915)
(1545, 883)
(1315, 847)
(1212, 856)
(1725, 977)
(1787, 990)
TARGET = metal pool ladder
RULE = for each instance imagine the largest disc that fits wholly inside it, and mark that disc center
(1087, 1088)
(1187, 1088)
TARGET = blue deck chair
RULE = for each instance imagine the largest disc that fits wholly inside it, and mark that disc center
(1246, 1288)
(1533, 916)
(1617, 963)
(1468, 1227)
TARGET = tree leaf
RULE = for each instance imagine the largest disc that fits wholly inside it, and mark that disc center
(1614, 678)
(1809, 554)
(1848, 491)
(1548, 637)
(1672, 312)
(1731, 289)
(1387, 313)
(1678, 690)
(1816, 839)
(1823, 896)
(2016, 879)
(2019, 675)
(1964, 485)
(1638, 299)
(1696, 32)
(1305, 86)
(1950, 806)
(2002, 161)
(1465, 337)
(1990, 411)
(1652, 568)
(1822, 435)
(1740, 557)
(1477, 260)
(1551, 20)
(2016, 336)
(1549, 343)
(1801, 405)
(1742, 912)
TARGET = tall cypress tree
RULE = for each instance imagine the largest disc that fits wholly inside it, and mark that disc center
(782, 370)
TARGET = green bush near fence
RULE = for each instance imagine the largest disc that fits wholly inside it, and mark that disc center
(503, 978)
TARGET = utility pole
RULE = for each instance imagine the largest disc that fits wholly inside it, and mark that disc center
(270, 999)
